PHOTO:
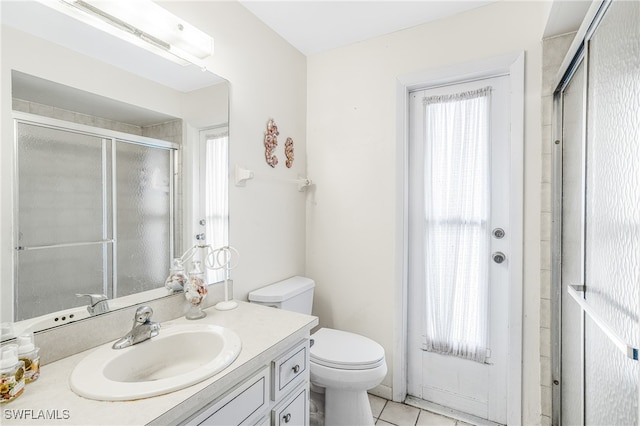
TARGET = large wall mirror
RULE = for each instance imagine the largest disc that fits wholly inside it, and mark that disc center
(117, 159)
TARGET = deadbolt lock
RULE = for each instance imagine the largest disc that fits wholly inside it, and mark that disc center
(499, 257)
(498, 233)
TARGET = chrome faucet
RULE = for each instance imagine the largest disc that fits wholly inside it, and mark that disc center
(98, 303)
(143, 329)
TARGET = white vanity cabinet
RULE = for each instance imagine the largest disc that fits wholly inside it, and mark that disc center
(290, 387)
(268, 384)
(276, 395)
(240, 406)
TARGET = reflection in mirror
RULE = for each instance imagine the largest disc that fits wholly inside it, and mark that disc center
(94, 214)
(106, 192)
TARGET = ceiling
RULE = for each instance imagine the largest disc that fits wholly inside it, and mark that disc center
(315, 26)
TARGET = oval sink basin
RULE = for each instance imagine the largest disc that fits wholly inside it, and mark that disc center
(180, 356)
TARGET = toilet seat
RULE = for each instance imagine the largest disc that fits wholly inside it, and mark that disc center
(345, 351)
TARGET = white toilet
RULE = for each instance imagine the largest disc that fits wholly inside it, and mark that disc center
(345, 364)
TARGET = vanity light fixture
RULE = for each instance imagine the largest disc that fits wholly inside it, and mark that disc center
(145, 24)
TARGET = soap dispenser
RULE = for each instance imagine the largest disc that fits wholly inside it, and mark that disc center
(11, 373)
(30, 355)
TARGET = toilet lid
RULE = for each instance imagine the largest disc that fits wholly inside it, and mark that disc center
(344, 350)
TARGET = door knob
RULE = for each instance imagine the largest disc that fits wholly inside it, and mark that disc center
(499, 257)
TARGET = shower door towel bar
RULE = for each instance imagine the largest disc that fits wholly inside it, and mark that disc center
(576, 292)
(64, 245)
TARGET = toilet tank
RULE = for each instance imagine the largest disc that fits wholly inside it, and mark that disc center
(293, 294)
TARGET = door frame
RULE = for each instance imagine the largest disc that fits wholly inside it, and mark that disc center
(513, 65)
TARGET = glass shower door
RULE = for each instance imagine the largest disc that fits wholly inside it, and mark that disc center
(599, 261)
(94, 214)
(62, 246)
(573, 156)
(612, 255)
(144, 217)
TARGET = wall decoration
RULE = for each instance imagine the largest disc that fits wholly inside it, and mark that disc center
(271, 142)
(288, 151)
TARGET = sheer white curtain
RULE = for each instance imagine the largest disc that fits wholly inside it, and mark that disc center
(456, 213)
(216, 196)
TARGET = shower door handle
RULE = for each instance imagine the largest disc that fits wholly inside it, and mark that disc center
(499, 257)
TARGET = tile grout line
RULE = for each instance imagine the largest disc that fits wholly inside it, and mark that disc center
(383, 407)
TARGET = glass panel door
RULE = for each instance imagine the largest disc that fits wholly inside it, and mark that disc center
(93, 215)
(573, 156)
(600, 226)
(612, 258)
(143, 217)
(63, 200)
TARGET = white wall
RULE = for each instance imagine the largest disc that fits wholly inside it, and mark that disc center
(267, 80)
(354, 214)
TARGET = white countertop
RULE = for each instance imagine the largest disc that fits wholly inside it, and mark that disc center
(264, 332)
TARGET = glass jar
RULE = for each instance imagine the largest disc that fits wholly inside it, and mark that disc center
(195, 291)
(177, 277)
(11, 374)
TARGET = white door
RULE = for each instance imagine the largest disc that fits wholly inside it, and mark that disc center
(475, 266)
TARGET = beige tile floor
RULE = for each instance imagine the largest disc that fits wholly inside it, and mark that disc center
(393, 413)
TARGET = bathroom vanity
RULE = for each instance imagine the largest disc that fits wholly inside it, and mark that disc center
(268, 383)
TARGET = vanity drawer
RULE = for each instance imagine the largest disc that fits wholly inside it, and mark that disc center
(243, 405)
(290, 369)
(294, 411)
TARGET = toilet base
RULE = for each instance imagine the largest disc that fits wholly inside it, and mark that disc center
(347, 408)
(316, 407)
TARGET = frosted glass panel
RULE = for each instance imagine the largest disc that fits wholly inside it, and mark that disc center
(572, 245)
(50, 278)
(66, 212)
(60, 186)
(613, 214)
(144, 217)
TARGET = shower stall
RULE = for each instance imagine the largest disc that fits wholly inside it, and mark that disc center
(596, 222)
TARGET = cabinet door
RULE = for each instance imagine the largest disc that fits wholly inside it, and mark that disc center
(294, 411)
(240, 406)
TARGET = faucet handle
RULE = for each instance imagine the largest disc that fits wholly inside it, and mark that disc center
(98, 303)
(95, 298)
